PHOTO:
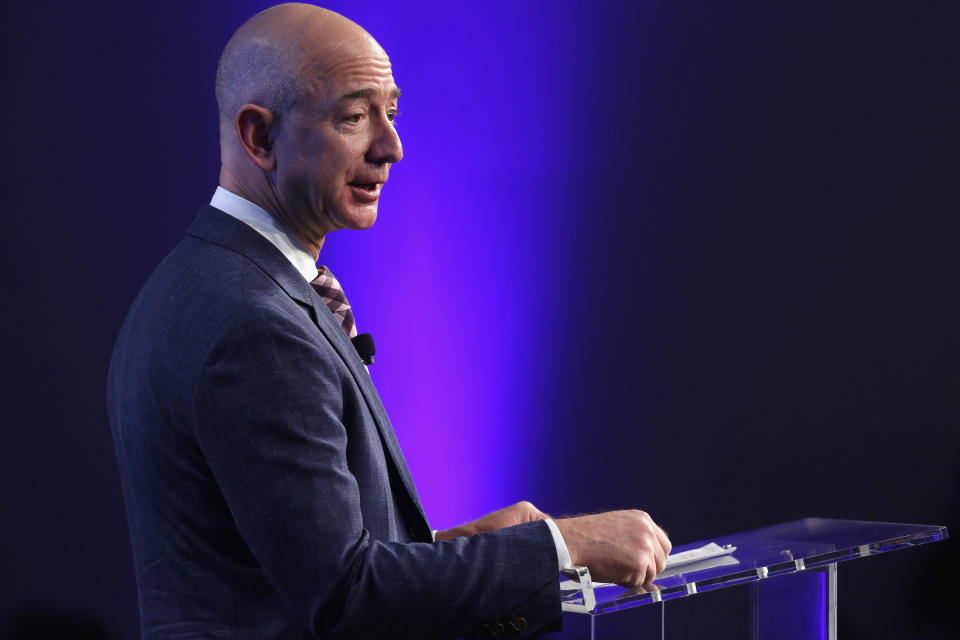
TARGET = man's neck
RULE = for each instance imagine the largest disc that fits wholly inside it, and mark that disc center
(267, 199)
(267, 226)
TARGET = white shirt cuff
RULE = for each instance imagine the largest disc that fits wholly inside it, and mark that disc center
(563, 555)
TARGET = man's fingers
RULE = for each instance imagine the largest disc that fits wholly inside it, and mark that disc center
(660, 559)
(665, 544)
(527, 511)
(651, 574)
(664, 541)
(657, 541)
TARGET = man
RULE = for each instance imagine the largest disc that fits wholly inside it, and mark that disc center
(266, 493)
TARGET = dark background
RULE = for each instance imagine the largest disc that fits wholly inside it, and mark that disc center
(750, 246)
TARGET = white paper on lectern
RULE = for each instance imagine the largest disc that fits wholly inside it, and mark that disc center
(674, 560)
(709, 550)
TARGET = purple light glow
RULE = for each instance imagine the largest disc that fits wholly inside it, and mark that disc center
(457, 280)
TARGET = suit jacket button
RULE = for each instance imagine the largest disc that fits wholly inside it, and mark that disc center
(497, 630)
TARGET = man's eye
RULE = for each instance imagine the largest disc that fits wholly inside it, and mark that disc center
(355, 118)
(392, 115)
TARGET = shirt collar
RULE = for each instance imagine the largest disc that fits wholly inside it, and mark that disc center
(267, 226)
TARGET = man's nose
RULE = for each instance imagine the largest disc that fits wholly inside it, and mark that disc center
(386, 147)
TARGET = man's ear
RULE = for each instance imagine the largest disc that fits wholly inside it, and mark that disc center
(253, 125)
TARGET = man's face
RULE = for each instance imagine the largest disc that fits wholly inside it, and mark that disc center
(335, 150)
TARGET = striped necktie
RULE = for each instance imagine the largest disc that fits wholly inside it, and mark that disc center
(329, 289)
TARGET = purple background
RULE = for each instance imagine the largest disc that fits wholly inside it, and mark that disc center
(698, 258)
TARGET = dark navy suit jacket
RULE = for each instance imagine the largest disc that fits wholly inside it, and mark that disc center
(266, 493)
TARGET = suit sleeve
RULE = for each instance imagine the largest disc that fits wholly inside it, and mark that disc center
(268, 418)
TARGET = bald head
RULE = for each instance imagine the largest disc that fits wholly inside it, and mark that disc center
(272, 59)
(307, 103)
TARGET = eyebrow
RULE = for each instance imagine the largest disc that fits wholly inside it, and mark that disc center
(364, 94)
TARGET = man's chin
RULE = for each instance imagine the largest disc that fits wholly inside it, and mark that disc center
(347, 214)
(361, 219)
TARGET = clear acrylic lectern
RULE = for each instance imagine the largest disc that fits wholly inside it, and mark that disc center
(785, 579)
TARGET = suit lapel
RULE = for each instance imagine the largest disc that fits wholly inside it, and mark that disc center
(224, 230)
(341, 343)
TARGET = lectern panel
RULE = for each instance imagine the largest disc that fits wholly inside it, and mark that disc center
(787, 574)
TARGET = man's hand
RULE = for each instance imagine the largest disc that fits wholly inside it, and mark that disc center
(625, 547)
(507, 517)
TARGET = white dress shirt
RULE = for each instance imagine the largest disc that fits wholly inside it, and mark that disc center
(267, 226)
(302, 260)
